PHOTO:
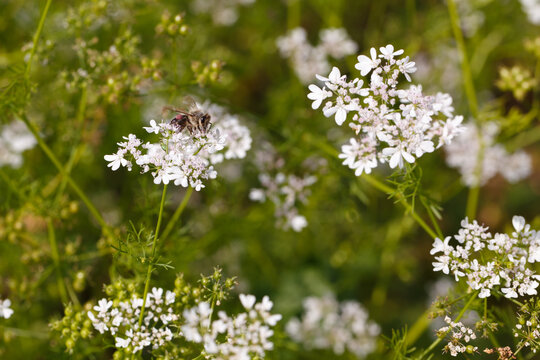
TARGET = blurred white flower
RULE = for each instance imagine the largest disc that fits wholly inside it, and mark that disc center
(15, 138)
(464, 152)
(223, 12)
(308, 60)
(286, 191)
(532, 9)
(327, 324)
(5, 309)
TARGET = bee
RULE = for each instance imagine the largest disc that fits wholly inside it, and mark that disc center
(193, 119)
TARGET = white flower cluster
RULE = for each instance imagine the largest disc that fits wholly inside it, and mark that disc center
(327, 324)
(178, 157)
(532, 9)
(237, 136)
(15, 138)
(464, 152)
(308, 60)
(461, 335)
(486, 261)
(121, 320)
(390, 125)
(285, 191)
(5, 309)
(243, 337)
(223, 12)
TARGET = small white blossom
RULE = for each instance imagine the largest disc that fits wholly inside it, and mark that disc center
(532, 9)
(286, 191)
(245, 336)
(308, 60)
(491, 262)
(15, 138)
(223, 12)
(5, 309)
(465, 151)
(327, 324)
(391, 125)
(122, 320)
(459, 336)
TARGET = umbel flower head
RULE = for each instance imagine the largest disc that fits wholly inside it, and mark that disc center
(179, 157)
(308, 60)
(328, 324)
(391, 125)
(244, 336)
(286, 191)
(478, 157)
(490, 262)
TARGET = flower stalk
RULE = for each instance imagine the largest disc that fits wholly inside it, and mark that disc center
(152, 257)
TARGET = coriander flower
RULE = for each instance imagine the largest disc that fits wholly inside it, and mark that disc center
(184, 158)
(15, 138)
(286, 191)
(308, 60)
(390, 125)
(465, 151)
(121, 320)
(328, 324)
(5, 309)
(460, 336)
(244, 336)
(489, 262)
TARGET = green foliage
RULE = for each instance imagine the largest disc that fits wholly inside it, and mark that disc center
(99, 70)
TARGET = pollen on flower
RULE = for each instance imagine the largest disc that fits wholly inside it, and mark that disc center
(390, 125)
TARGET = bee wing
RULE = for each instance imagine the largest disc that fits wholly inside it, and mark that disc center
(190, 104)
(173, 109)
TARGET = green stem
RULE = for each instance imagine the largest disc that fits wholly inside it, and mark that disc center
(25, 333)
(465, 65)
(151, 264)
(95, 213)
(418, 328)
(536, 104)
(472, 201)
(461, 313)
(56, 260)
(36, 36)
(377, 184)
(12, 186)
(294, 11)
(422, 322)
(388, 190)
(434, 221)
(75, 153)
(177, 213)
